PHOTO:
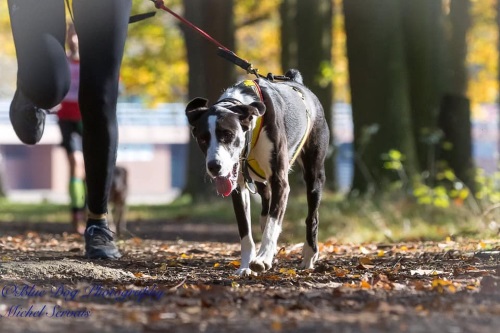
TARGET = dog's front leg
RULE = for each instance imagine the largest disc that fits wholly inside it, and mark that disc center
(279, 198)
(241, 204)
(265, 196)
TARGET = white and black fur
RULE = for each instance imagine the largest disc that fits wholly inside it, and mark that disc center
(220, 132)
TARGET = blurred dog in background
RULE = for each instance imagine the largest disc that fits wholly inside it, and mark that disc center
(117, 202)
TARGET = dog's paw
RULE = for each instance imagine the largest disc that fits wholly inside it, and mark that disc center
(309, 257)
(245, 272)
(260, 265)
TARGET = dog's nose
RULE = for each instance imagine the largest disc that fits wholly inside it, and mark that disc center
(214, 167)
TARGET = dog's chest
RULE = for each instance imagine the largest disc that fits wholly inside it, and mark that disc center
(259, 158)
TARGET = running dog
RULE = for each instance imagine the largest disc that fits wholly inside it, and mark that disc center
(252, 136)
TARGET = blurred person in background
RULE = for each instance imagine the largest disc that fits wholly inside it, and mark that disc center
(70, 124)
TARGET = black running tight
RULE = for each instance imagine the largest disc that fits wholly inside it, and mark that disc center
(39, 29)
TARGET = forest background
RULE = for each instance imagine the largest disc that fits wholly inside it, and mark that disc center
(414, 72)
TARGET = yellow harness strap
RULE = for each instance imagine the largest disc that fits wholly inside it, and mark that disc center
(252, 162)
(304, 138)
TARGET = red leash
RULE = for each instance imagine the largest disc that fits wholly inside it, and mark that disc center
(160, 5)
(223, 51)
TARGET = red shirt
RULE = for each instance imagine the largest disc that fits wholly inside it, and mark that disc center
(69, 106)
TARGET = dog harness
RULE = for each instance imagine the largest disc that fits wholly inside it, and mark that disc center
(249, 161)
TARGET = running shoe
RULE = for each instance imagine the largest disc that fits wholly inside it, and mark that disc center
(99, 242)
(27, 119)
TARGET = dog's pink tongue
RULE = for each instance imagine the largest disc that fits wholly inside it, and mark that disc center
(223, 186)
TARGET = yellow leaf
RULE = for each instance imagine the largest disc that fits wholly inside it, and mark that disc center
(340, 272)
(287, 271)
(276, 326)
(448, 174)
(440, 282)
(281, 252)
(366, 262)
(395, 155)
(365, 285)
(380, 253)
(463, 193)
(186, 256)
(419, 308)
(235, 284)
(235, 263)
(439, 285)
(216, 265)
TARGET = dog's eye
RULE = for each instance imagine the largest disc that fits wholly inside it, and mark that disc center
(226, 136)
(203, 139)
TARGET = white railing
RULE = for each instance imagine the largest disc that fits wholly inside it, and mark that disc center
(171, 114)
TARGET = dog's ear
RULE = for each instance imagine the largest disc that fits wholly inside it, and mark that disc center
(195, 108)
(246, 113)
(260, 107)
(196, 103)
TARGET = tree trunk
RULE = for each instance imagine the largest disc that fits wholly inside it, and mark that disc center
(301, 19)
(424, 39)
(289, 43)
(453, 120)
(314, 57)
(455, 107)
(209, 74)
(379, 91)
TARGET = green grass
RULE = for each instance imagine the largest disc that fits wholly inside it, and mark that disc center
(383, 219)
(182, 208)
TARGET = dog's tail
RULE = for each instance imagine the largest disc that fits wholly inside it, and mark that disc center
(294, 75)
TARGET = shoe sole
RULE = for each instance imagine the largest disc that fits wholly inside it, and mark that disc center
(98, 254)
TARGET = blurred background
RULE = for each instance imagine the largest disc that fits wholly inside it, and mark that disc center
(410, 89)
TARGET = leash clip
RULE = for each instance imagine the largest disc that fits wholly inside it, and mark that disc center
(251, 188)
(158, 3)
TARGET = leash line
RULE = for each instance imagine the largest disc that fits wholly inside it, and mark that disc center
(161, 5)
(223, 51)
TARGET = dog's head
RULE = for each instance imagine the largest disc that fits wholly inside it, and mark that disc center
(220, 133)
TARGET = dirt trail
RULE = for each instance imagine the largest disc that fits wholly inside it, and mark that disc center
(186, 286)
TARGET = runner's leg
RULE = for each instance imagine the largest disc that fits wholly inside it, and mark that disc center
(102, 29)
(39, 29)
